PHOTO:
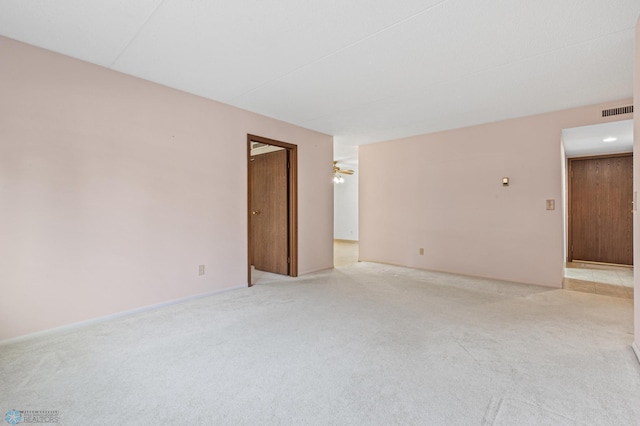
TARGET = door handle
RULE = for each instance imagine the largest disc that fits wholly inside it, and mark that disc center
(255, 212)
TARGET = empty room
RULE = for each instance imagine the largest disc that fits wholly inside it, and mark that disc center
(320, 213)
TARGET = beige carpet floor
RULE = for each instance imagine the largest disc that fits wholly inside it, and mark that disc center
(364, 344)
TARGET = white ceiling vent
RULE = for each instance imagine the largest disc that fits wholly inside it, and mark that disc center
(617, 111)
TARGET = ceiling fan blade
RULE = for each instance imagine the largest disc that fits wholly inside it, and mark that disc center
(337, 169)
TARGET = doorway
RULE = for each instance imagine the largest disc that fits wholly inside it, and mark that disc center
(346, 249)
(272, 207)
(592, 266)
(600, 225)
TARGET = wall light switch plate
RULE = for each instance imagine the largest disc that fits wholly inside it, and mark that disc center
(201, 270)
(551, 204)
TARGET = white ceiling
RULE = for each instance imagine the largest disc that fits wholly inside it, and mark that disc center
(361, 70)
(590, 140)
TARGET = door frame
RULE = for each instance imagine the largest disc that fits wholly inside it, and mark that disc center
(292, 192)
(570, 186)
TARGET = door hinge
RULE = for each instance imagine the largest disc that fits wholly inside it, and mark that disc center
(288, 260)
(288, 165)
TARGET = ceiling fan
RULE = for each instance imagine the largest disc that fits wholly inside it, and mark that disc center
(337, 171)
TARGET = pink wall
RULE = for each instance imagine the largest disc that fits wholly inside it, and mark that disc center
(636, 188)
(443, 192)
(113, 190)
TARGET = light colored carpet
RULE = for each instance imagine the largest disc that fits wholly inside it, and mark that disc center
(363, 344)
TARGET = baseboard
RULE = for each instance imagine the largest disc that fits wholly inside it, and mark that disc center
(462, 274)
(313, 271)
(92, 321)
(636, 349)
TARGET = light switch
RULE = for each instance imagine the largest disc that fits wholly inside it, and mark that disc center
(551, 204)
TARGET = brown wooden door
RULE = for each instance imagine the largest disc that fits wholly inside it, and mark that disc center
(269, 212)
(601, 220)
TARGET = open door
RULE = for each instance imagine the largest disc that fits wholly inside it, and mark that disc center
(272, 206)
(270, 211)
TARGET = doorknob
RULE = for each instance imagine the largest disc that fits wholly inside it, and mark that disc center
(255, 212)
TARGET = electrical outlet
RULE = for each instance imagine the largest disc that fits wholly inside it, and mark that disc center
(421, 251)
(201, 270)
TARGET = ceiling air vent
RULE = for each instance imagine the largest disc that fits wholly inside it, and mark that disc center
(617, 111)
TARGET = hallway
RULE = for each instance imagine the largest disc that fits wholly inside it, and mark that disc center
(345, 252)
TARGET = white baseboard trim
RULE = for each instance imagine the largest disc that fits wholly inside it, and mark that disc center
(313, 271)
(92, 321)
(636, 349)
(462, 274)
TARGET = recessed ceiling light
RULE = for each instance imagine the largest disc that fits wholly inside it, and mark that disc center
(610, 139)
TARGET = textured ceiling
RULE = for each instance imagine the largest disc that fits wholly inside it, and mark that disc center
(361, 70)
